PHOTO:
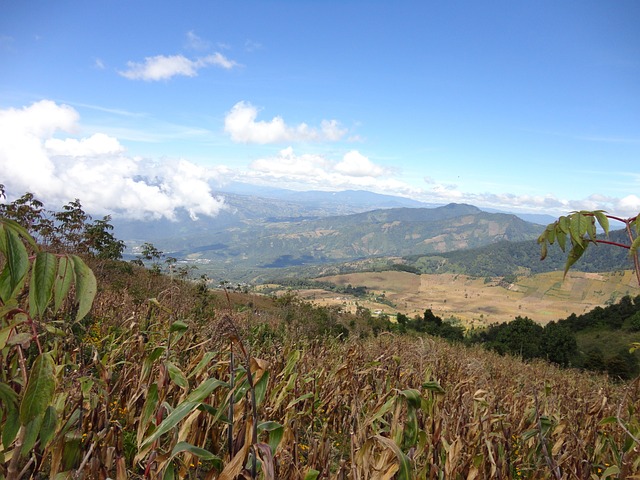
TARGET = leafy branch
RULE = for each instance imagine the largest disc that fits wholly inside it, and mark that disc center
(580, 229)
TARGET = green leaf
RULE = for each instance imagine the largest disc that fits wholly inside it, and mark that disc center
(294, 358)
(32, 429)
(413, 397)
(201, 453)
(562, 241)
(577, 228)
(8, 396)
(575, 253)
(40, 389)
(563, 224)
(276, 432)
(261, 388)
(603, 220)
(150, 405)
(16, 264)
(86, 287)
(148, 362)
(20, 230)
(43, 274)
(543, 251)
(10, 427)
(612, 470)
(169, 473)
(634, 246)
(62, 284)
(301, 398)
(49, 424)
(206, 359)
(311, 474)
(190, 403)
(434, 386)
(176, 375)
(178, 326)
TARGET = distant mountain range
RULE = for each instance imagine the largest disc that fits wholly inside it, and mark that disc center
(283, 229)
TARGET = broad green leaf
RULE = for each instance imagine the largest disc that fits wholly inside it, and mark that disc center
(292, 361)
(43, 274)
(150, 405)
(10, 427)
(8, 396)
(276, 432)
(32, 429)
(575, 253)
(562, 241)
(563, 224)
(176, 375)
(86, 287)
(169, 473)
(16, 264)
(201, 453)
(434, 386)
(178, 326)
(148, 362)
(577, 228)
(413, 397)
(49, 424)
(190, 403)
(261, 388)
(543, 251)
(603, 220)
(64, 278)
(20, 230)
(40, 389)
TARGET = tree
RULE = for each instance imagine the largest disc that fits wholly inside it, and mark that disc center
(558, 344)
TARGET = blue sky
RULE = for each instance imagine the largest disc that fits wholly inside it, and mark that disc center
(143, 108)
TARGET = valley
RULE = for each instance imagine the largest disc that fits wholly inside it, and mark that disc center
(479, 301)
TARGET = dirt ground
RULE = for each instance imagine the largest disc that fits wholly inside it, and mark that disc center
(478, 301)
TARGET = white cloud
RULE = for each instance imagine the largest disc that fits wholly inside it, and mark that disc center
(97, 144)
(354, 164)
(95, 169)
(162, 67)
(310, 171)
(240, 123)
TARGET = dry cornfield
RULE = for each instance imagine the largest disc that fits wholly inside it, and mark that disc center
(151, 390)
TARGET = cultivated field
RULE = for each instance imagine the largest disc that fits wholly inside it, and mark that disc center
(477, 301)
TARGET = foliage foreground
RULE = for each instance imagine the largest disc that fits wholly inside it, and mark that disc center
(159, 379)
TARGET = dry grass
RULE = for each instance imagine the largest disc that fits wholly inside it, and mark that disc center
(543, 297)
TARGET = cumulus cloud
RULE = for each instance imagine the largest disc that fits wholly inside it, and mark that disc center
(355, 164)
(311, 171)
(241, 124)
(95, 169)
(163, 67)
